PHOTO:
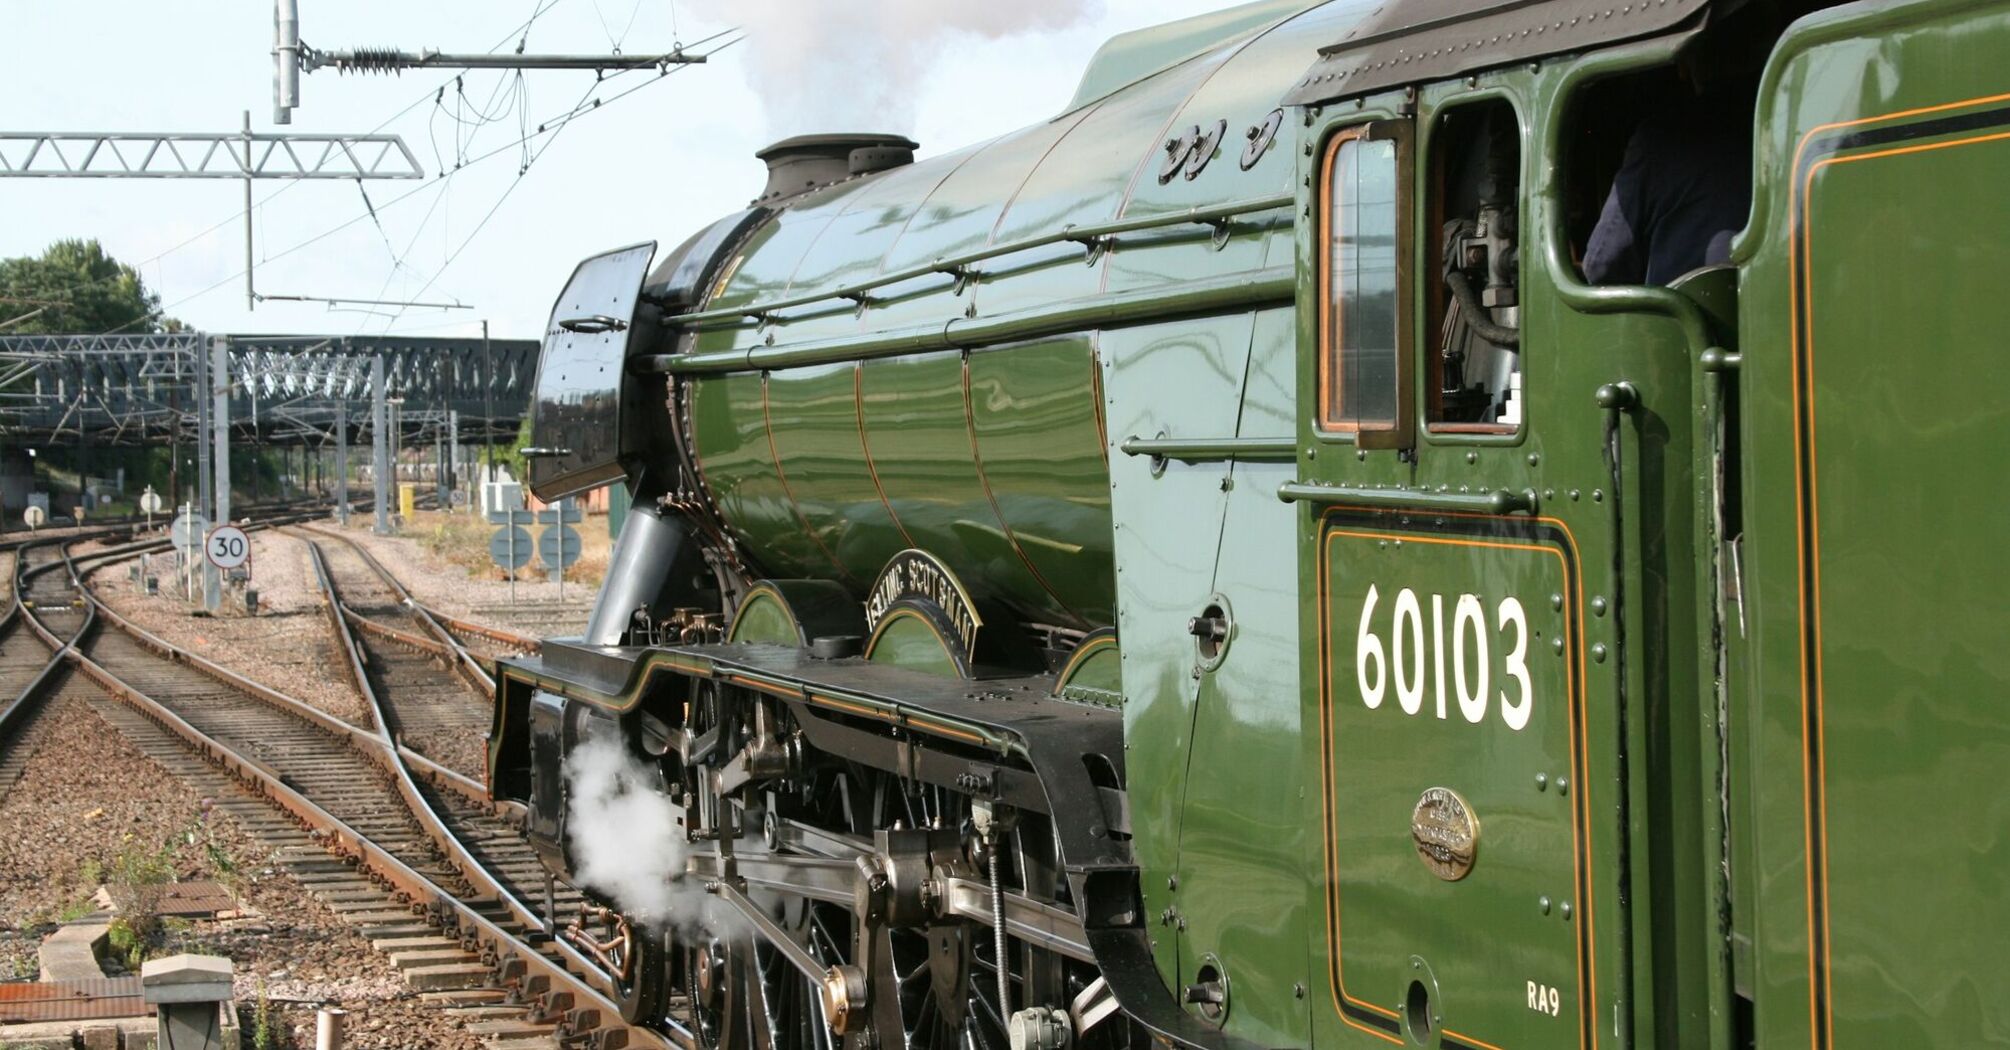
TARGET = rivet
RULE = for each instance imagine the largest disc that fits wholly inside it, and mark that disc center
(1598, 605)
(1544, 905)
(1548, 493)
(1542, 781)
(1556, 643)
(1182, 921)
(1172, 882)
(1298, 989)
(1573, 494)
(1415, 965)
(1311, 453)
(1564, 908)
(1597, 495)
(1361, 454)
(1563, 785)
(1472, 457)
(1556, 601)
(1533, 459)
(1598, 653)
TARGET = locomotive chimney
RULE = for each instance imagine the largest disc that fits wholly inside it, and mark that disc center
(807, 162)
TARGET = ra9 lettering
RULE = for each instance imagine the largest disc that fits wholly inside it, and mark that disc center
(1544, 999)
(1413, 662)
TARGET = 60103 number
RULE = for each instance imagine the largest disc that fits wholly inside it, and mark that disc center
(1414, 662)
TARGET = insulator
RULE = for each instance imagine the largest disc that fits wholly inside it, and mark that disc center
(372, 60)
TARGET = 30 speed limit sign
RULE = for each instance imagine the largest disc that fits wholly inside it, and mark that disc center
(228, 547)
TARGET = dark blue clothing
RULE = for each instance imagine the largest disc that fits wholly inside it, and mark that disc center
(1683, 189)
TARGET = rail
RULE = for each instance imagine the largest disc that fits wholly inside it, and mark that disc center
(1249, 290)
(1423, 501)
(556, 973)
(522, 642)
(1092, 236)
(1212, 450)
(466, 661)
(22, 705)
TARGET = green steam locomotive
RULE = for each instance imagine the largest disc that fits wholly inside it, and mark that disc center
(1211, 570)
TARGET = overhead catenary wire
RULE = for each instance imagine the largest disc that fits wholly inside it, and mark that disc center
(551, 124)
(511, 188)
(521, 31)
(579, 107)
(613, 41)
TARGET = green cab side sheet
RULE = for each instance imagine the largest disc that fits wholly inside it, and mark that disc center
(1455, 827)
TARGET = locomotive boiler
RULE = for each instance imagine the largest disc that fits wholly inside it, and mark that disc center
(1209, 570)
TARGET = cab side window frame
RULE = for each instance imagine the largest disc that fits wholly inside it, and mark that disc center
(1342, 355)
(1449, 126)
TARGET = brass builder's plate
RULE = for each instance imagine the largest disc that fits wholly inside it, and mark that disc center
(1446, 833)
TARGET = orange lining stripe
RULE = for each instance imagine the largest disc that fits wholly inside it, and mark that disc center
(977, 460)
(1481, 1043)
(858, 403)
(1096, 394)
(702, 670)
(1800, 263)
(893, 717)
(1797, 267)
(1335, 983)
(1081, 653)
(902, 614)
(1587, 969)
(768, 423)
(766, 587)
(692, 386)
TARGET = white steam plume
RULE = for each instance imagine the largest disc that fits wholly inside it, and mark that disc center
(826, 65)
(627, 843)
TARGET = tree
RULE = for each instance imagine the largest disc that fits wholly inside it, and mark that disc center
(75, 288)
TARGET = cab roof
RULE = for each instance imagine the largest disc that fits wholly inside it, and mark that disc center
(1413, 41)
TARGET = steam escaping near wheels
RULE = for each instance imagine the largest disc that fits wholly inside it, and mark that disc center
(627, 841)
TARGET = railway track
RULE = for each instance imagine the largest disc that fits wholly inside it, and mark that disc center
(31, 669)
(433, 693)
(487, 643)
(456, 875)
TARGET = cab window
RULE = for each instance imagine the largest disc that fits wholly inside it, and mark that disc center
(1360, 324)
(1474, 363)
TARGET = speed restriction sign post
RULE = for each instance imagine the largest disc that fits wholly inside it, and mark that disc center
(228, 547)
(150, 504)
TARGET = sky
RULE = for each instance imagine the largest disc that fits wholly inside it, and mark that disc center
(656, 163)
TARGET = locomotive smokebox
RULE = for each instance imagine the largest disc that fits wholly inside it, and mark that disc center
(807, 162)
